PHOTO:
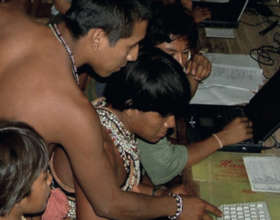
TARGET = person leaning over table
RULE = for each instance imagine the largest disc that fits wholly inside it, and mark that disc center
(39, 85)
(163, 161)
(150, 91)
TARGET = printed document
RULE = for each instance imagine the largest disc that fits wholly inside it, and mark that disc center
(234, 79)
(263, 173)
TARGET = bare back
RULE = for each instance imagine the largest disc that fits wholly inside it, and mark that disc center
(35, 74)
(37, 87)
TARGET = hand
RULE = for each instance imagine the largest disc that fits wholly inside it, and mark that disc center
(239, 129)
(200, 14)
(187, 4)
(197, 209)
(199, 67)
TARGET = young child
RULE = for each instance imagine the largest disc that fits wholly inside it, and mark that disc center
(24, 179)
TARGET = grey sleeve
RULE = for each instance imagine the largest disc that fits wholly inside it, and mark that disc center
(162, 161)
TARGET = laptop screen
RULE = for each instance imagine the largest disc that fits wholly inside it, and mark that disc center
(264, 109)
(223, 13)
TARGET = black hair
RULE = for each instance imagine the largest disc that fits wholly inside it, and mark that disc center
(171, 19)
(154, 82)
(23, 156)
(115, 17)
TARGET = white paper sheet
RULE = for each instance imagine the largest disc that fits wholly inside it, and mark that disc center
(234, 80)
(263, 173)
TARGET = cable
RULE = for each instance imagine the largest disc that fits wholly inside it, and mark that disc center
(254, 13)
(263, 54)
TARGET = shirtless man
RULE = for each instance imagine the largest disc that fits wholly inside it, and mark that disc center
(38, 86)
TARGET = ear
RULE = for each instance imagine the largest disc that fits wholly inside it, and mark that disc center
(96, 37)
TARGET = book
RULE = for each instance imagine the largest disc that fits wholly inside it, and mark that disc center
(234, 79)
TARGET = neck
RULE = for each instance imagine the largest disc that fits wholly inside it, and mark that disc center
(72, 43)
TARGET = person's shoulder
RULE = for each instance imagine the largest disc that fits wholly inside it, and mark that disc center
(65, 112)
(20, 34)
(11, 14)
(68, 98)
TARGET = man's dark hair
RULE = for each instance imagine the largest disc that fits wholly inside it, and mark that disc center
(23, 156)
(171, 19)
(154, 82)
(115, 17)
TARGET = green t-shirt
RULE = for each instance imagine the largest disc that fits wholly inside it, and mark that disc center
(162, 161)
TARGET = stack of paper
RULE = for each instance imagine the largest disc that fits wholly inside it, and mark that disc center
(234, 79)
(263, 173)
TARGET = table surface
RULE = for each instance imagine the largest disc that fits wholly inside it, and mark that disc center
(222, 179)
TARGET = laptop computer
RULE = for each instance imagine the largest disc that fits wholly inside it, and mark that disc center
(224, 15)
(263, 110)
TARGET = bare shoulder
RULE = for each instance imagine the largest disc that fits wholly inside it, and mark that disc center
(20, 37)
(38, 87)
(68, 115)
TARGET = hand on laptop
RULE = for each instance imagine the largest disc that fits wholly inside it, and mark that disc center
(238, 130)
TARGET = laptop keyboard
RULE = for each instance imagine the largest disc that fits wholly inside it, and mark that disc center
(245, 211)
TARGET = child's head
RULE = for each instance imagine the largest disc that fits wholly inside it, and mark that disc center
(154, 82)
(24, 180)
(150, 92)
(171, 22)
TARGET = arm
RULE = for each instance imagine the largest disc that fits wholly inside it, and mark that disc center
(163, 161)
(84, 210)
(200, 14)
(77, 128)
(238, 130)
(187, 4)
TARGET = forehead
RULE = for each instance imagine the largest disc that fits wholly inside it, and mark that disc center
(151, 116)
(178, 44)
